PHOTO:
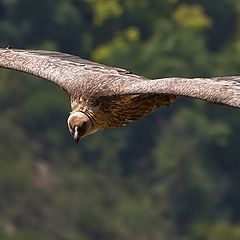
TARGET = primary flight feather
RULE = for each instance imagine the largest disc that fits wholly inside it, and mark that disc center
(108, 97)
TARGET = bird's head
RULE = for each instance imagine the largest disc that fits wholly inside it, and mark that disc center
(79, 125)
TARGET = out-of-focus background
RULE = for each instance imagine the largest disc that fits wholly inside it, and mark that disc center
(172, 176)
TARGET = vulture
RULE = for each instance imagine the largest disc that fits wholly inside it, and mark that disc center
(109, 97)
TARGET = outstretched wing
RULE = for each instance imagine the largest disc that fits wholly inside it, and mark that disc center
(60, 68)
(65, 70)
(222, 90)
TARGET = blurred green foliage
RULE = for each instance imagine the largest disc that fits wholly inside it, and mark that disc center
(174, 175)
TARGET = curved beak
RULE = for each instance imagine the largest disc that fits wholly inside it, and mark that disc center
(76, 135)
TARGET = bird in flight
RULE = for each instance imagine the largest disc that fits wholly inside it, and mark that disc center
(109, 97)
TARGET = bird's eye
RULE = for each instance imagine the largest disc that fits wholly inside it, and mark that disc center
(81, 129)
(84, 124)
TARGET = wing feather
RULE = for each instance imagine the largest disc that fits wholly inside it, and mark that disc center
(222, 90)
(62, 69)
(68, 71)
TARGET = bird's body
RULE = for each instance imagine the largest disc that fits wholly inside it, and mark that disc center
(107, 97)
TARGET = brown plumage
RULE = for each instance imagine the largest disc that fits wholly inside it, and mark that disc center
(108, 97)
